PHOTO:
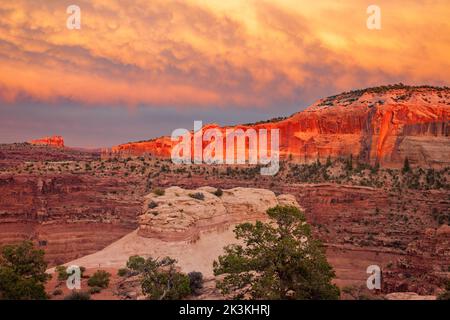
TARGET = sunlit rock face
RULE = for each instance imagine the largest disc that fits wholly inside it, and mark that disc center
(54, 141)
(378, 125)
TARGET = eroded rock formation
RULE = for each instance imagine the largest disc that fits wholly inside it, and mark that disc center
(180, 214)
(54, 141)
(378, 125)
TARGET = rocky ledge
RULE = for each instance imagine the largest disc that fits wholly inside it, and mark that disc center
(181, 214)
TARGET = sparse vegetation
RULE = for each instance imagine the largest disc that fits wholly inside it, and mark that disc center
(57, 292)
(343, 171)
(159, 192)
(446, 294)
(351, 96)
(440, 217)
(122, 272)
(195, 282)
(354, 292)
(277, 119)
(218, 192)
(136, 263)
(406, 166)
(78, 295)
(197, 195)
(100, 279)
(62, 273)
(95, 290)
(152, 205)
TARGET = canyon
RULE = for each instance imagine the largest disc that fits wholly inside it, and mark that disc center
(340, 163)
(77, 208)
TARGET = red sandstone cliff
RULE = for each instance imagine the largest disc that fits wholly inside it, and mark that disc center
(383, 124)
(54, 141)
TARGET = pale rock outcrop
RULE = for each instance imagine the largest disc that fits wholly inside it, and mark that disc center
(178, 215)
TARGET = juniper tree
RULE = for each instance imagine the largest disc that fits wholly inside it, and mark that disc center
(22, 272)
(278, 260)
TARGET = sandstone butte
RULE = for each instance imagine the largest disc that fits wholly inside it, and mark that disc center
(381, 125)
(54, 141)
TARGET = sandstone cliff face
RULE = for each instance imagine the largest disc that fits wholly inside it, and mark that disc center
(379, 125)
(68, 216)
(66, 211)
(177, 215)
(160, 147)
(54, 141)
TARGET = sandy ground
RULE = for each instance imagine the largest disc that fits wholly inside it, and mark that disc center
(191, 256)
(196, 256)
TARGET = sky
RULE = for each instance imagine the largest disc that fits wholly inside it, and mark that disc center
(138, 69)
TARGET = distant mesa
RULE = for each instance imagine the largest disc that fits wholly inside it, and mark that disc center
(54, 141)
(381, 125)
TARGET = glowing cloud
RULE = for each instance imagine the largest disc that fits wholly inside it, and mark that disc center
(215, 52)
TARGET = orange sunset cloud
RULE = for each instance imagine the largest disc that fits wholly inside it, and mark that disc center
(215, 52)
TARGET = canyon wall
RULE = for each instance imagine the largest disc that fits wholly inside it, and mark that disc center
(377, 125)
(68, 215)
